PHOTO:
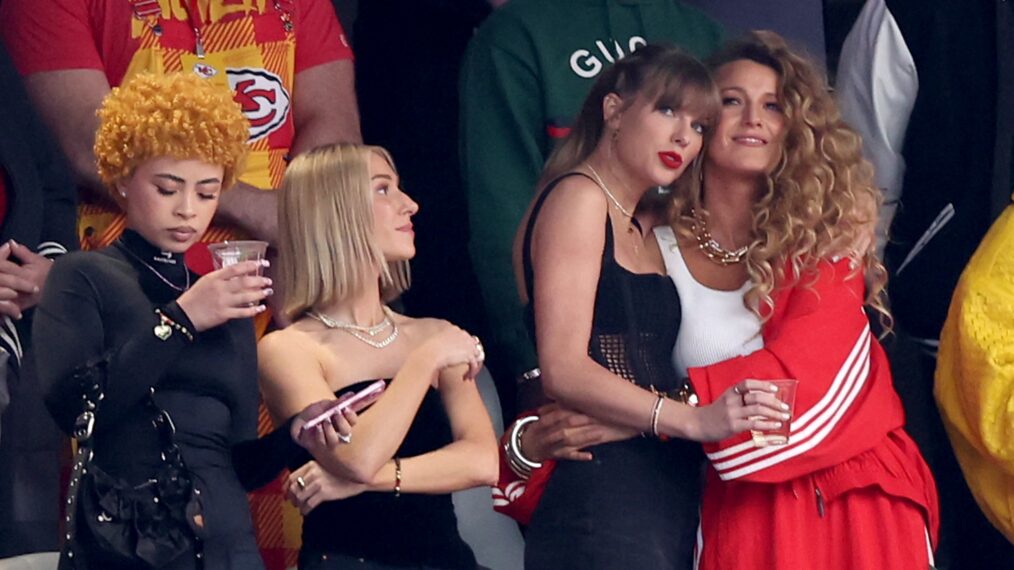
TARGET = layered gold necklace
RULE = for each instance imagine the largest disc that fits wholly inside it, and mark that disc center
(710, 247)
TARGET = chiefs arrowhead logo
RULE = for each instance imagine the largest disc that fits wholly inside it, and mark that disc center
(263, 98)
(204, 70)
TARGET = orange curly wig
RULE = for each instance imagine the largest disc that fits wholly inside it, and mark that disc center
(178, 115)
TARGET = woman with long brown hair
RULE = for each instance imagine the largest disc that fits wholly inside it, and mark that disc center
(605, 316)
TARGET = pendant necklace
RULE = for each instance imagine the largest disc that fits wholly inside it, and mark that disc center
(634, 224)
(365, 334)
(155, 271)
(601, 183)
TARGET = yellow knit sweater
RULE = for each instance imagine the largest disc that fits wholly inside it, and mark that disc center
(975, 374)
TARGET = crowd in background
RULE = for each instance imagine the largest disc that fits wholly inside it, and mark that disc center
(470, 98)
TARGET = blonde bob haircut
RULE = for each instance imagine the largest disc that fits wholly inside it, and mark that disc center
(178, 115)
(326, 250)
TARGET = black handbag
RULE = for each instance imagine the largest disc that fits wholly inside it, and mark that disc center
(112, 523)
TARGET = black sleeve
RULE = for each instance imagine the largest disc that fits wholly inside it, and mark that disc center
(44, 215)
(59, 203)
(75, 327)
(246, 407)
(259, 461)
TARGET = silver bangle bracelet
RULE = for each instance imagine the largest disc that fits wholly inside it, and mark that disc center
(521, 465)
(529, 375)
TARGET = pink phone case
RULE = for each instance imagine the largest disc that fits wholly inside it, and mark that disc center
(357, 402)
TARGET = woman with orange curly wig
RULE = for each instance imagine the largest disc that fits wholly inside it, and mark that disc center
(153, 368)
(772, 256)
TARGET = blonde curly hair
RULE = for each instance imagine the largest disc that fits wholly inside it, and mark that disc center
(819, 200)
(178, 115)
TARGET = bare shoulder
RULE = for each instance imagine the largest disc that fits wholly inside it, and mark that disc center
(577, 192)
(290, 347)
(281, 342)
(576, 203)
(422, 327)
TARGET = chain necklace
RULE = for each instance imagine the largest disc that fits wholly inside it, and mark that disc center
(711, 248)
(601, 183)
(364, 333)
(155, 271)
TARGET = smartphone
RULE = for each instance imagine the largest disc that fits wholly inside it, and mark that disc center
(356, 402)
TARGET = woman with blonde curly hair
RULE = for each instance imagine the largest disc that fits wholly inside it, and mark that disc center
(772, 255)
(154, 368)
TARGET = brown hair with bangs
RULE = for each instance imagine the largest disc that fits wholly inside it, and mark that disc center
(662, 74)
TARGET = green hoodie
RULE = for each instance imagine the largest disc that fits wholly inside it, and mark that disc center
(525, 75)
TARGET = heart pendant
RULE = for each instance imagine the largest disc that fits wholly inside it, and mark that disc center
(163, 331)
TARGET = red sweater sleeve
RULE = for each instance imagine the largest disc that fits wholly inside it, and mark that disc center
(49, 36)
(819, 334)
(514, 496)
(320, 37)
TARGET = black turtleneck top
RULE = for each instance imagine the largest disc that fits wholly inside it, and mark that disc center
(101, 305)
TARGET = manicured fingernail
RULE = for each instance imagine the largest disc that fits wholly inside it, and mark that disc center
(268, 281)
(35, 289)
(261, 309)
(786, 416)
(778, 425)
(265, 263)
(270, 292)
(773, 388)
(785, 406)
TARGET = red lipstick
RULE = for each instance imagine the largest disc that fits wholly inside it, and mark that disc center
(671, 160)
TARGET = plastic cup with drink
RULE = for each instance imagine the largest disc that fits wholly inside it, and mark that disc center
(786, 394)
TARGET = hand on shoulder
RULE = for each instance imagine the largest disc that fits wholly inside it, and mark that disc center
(446, 346)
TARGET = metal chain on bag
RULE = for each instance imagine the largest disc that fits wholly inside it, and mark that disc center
(84, 428)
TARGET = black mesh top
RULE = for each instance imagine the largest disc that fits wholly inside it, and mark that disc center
(636, 315)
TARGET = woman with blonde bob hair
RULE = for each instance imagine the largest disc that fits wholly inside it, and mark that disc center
(384, 496)
(321, 219)
(773, 244)
(160, 358)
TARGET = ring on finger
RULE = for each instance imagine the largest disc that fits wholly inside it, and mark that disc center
(301, 482)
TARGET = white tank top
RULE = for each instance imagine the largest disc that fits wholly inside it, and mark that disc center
(715, 324)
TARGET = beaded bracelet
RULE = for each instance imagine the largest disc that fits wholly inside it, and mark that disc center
(164, 329)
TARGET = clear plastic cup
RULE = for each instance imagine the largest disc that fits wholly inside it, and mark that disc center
(787, 394)
(232, 252)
